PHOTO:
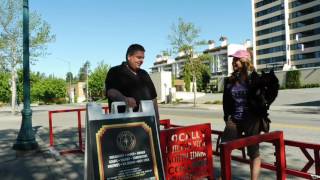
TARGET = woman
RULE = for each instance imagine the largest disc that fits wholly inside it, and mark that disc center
(238, 114)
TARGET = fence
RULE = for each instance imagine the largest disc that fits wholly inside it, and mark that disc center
(80, 148)
(238, 144)
(304, 147)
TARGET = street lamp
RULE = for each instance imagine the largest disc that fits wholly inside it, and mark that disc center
(26, 139)
(87, 81)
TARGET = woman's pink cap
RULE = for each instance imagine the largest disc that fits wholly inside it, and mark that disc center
(241, 54)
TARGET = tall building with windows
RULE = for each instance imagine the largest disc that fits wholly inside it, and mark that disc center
(286, 34)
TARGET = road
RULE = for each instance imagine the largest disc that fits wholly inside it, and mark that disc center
(297, 124)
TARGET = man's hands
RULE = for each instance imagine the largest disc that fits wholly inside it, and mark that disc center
(131, 102)
(116, 95)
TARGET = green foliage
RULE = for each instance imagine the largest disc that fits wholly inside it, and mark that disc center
(213, 102)
(69, 77)
(4, 86)
(204, 79)
(173, 79)
(49, 90)
(11, 38)
(97, 79)
(84, 71)
(184, 38)
(312, 85)
(11, 35)
(293, 79)
(187, 77)
(43, 89)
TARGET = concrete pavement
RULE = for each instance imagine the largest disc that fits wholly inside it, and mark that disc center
(46, 164)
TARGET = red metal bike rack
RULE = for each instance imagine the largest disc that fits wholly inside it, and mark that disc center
(80, 148)
(274, 137)
(303, 173)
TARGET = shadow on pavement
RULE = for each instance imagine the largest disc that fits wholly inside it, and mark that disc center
(39, 164)
(42, 164)
(310, 103)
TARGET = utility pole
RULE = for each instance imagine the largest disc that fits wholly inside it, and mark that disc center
(69, 69)
(26, 139)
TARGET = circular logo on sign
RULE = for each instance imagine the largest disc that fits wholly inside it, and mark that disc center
(126, 141)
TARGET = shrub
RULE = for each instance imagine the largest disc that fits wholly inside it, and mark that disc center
(213, 102)
(293, 79)
(312, 85)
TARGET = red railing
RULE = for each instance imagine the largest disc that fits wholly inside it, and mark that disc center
(304, 147)
(316, 160)
(80, 148)
(274, 137)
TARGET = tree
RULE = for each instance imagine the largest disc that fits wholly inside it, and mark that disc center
(184, 38)
(97, 79)
(204, 78)
(84, 71)
(11, 38)
(4, 86)
(69, 78)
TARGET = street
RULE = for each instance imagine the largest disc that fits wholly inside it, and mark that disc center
(297, 124)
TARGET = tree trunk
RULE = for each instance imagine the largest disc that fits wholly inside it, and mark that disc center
(13, 91)
(194, 88)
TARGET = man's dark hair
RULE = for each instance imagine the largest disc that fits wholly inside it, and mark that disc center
(134, 48)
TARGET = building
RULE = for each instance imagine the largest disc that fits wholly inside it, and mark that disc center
(220, 65)
(286, 34)
(163, 84)
(77, 92)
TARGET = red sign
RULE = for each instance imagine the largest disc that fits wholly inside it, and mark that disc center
(187, 152)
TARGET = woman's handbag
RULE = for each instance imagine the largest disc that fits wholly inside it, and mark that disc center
(265, 124)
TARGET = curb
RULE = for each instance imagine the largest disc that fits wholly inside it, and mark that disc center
(315, 109)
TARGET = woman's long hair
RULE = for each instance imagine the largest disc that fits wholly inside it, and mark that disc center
(243, 74)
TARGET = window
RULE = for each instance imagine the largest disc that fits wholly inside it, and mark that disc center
(264, 2)
(270, 20)
(298, 57)
(271, 40)
(306, 44)
(272, 60)
(305, 11)
(270, 30)
(308, 65)
(271, 50)
(305, 33)
(299, 2)
(269, 10)
(305, 22)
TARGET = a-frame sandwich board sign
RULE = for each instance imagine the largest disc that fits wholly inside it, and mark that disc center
(122, 145)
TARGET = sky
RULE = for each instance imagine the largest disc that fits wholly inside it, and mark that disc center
(102, 30)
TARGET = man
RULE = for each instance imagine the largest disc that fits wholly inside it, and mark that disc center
(129, 83)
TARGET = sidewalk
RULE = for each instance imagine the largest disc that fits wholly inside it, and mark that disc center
(15, 165)
(41, 164)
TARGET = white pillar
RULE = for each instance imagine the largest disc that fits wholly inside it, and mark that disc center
(287, 66)
(254, 54)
